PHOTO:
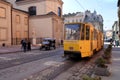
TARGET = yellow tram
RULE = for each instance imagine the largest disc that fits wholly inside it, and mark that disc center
(81, 39)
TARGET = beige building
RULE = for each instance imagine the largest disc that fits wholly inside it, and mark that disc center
(45, 18)
(19, 26)
(5, 23)
(13, 24)
(47, 26)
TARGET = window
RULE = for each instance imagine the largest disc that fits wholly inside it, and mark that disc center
(95, 34)
(59, 11)
(72, 31)
(87, 32)
(2, 12)
(82, 32)
(32, 10)
(3, 31)
(26, 20)
(18, 19)
(25, 34)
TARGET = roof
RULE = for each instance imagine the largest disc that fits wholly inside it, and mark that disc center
(5, 2)
(21, 10)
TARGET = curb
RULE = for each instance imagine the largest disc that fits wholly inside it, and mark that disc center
(14, 51)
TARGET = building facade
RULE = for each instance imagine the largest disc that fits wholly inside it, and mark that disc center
(74, 17)
(19, 26)
(12, 24)
(86, 17)
(5, 23)
(45, 18)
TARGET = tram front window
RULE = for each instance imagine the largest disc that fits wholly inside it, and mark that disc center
(72, 31)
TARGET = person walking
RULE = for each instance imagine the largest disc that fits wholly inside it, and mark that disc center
(21, 44)
(24, 45)
(114, 43)
(117, 43)
(29, 45)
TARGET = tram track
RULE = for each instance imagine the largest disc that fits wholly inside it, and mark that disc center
(83, 67)
(51, 72)
(27, 59)
(86, 67)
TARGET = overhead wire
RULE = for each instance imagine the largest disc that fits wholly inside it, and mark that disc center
(80, 5)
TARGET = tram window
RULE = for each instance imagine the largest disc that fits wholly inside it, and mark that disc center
(87, 33)
(72, 31)
(82, 33)
(95, 34)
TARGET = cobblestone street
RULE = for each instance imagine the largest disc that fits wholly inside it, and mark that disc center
(49, 65)
(22, 71)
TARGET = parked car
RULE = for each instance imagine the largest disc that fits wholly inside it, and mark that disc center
(108, 40)
(48, 43)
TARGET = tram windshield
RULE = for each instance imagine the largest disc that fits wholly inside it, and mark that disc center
(72, 31)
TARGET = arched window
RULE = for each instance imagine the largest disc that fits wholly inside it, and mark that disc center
(32, 10)
(59, 11)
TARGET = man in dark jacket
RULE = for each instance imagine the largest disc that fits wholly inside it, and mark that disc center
(29, 46)
(24, 45)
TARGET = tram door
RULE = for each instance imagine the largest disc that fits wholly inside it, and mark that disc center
(91, 41)
(88, 40)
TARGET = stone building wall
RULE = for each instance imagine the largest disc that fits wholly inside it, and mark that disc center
(5, 23)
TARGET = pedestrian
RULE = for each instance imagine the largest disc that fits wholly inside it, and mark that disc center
(29, 45)
(61, 42)
(21, 44)
(24, 45)
(114, 43)
(117, 43)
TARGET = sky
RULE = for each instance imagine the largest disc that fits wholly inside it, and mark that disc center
(107, 8)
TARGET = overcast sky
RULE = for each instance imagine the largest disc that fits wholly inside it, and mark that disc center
(107, 8)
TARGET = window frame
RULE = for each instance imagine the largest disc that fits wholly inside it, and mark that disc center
(87, 37)
(5, 13)
(31, 10)
(82, 37)
(6, 36)
(59, 12)
(26, 20)
(18, 22)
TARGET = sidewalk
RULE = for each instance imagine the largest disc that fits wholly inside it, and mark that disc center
(15, 48)
(115, 66)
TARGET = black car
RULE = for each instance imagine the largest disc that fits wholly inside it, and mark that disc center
(48, 43)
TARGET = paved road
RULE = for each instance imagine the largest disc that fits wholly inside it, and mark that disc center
(9, 60)
(21, 71)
